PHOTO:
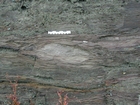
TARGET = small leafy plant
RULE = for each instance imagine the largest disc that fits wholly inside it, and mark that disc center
(63, 100)
(13, 97)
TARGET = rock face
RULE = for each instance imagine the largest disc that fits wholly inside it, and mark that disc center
(100, 70)
(63, 53)
(99, 66)
(31, 17)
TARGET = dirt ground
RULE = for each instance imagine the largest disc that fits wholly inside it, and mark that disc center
(97, 64)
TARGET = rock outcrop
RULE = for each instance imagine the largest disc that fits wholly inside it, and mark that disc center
(98, 64)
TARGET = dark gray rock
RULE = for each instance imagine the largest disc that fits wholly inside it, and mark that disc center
(98, 64)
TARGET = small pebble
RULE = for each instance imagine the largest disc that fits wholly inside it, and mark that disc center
(124, 73)
(8, 29)
(85, 41)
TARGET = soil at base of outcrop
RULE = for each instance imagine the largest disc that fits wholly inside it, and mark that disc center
(98, 64)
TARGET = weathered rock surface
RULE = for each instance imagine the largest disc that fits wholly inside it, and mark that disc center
(100, 68)
(104, 68)
(31, 17)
